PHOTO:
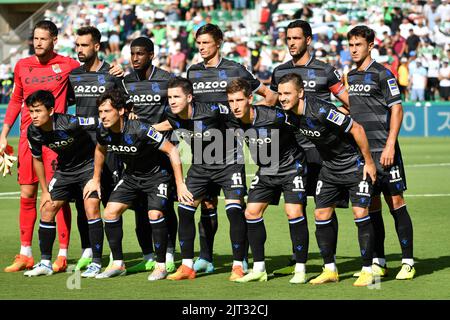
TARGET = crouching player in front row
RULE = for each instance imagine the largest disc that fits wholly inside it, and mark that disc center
(283, 170)
(340, 142)
(137, 144)
(68, 136)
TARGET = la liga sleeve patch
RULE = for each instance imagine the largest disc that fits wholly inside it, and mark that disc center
(336, 117)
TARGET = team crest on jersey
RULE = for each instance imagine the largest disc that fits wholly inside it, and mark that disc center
(86, 121)
(336, 117)
(56, 68)
(393, 87)
(223, 109)
(155, 135)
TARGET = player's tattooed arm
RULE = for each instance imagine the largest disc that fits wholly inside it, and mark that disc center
(94, 183)
(38, 165)
(172, 152)
(358, 133)
(388, 154)
(163, 126)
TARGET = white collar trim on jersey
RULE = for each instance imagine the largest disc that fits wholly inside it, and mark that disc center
(371, 62)
(306, 64)
(151, 74)
(102, 62)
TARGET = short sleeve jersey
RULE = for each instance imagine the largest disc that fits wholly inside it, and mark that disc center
(270, 132)
(372, 93)
(327, 128)
(137, 145)
(69, 139)
(87, 86)
(149, 96)
(320, 79)
(205, 133)
(210, 83)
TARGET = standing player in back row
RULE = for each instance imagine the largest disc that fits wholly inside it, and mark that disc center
(320, 79)
(210, 79)
(146, 86)
(375, 102)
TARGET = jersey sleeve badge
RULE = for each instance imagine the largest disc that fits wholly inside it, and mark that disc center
(155, 135)
(336, 117)
(86, 121)
(393, 87)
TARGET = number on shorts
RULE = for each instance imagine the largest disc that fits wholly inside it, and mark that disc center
(51, 184)
(319, 186)
(254, 182)
(237, 178)
(162, 188)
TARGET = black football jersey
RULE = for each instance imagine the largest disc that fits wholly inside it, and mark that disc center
(271, 142)
(137, 146)
(69, 139)
(327, 128)
(87, 86)
(210, 83)
(372, 93)
(149, 96)
(205, 132)
(320, 79)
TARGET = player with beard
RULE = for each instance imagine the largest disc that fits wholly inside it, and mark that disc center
(45, 70)
(147, 89)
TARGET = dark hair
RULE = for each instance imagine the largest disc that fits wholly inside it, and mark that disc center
(363, 32)
(305, 26)
(93, 31)
(43, 96)
(143, 42)
(117, 99)
(292, 77)
(183, 83)
(211, 29)
(47, 25)
(239, 84)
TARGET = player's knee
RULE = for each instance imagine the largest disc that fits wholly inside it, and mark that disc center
(323, 214)
(48, 213)
(155, 214)
(251, 215)
(397, 201)
(28, 191)
(209, 203)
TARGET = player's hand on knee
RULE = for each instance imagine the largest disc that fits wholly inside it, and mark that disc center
(184, 195)
(91, 187)
(45, 198)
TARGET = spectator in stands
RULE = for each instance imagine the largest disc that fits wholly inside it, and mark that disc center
(418, 82)
(412, 41)
(403, 78)
(444, 81)
(433, 78)
(129, 21)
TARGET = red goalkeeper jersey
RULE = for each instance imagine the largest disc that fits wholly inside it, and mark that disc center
(29, 76)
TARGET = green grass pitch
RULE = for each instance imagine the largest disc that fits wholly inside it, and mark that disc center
(428, 197)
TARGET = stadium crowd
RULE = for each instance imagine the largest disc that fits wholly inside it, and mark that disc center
(412, 38)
